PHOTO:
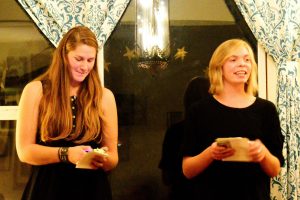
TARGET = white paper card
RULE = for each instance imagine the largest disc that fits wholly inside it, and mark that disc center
(240, 145)
(85, 162)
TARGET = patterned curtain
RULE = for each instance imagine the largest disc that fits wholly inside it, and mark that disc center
(56, 17)
(276, 26)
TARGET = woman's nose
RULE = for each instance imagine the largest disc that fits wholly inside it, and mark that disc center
(242, 62)
(84, 66)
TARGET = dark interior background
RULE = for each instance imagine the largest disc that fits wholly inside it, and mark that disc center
(149, 102)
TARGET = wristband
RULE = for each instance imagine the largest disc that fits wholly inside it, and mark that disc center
(63, 154)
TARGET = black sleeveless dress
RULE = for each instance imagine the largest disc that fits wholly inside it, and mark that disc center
(62, 181)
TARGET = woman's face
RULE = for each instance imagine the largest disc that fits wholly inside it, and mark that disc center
(81, 62)
(237, 68)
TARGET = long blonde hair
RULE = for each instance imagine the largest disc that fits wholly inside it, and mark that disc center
(220, 56)
(55, 107)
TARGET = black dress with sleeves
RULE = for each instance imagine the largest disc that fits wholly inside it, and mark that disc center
(208, 120)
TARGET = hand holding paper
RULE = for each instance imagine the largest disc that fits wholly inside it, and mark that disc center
(85, 162)
(239, 144)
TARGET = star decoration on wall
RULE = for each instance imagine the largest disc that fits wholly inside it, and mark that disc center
(106, 66)
(181, 53)
(130, 54)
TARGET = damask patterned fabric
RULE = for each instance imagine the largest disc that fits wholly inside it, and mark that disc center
(276, 26)
(56, 17)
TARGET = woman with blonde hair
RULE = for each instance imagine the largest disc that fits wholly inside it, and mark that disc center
(63, 115)
(232, 114)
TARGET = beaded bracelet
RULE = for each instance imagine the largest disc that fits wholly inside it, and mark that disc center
(63, 154)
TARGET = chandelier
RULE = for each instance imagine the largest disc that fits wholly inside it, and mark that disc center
(152, 34)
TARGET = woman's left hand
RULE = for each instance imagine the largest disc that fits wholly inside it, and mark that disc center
(257, 150)
(99, 160)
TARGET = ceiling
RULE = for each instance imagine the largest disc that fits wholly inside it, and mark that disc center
(13, 20)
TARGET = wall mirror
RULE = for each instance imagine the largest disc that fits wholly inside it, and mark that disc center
(148, 101)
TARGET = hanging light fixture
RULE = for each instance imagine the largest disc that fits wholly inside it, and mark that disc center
(152, 34)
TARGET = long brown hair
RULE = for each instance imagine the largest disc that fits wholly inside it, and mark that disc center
(55, 107)
(220, 56)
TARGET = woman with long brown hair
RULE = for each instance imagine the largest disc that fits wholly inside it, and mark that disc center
(64, 115)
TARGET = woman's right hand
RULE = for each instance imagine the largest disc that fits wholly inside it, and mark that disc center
(220, 152)
(76, 153)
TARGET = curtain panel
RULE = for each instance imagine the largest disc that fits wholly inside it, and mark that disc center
(276, 26)
(56, 17)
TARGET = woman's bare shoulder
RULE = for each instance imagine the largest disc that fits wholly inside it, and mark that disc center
(108, 97)
(107, 93)
(33, 88)
(34, 85)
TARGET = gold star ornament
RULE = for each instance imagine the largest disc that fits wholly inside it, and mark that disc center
(130, 54)
(181, 53)
(106, 66)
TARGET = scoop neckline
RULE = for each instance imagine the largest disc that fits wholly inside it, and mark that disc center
(235, 108)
